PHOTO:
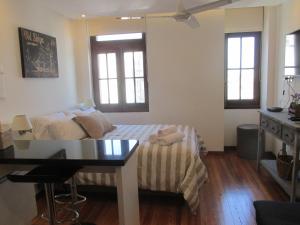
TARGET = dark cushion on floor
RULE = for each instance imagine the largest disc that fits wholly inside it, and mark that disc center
(276, 213)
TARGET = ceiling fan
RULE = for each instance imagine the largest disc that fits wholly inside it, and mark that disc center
(186, 15)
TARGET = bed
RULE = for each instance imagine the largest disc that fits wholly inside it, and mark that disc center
(177, 168)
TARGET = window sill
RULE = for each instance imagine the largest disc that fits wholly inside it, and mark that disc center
(124, 109)
(242, 107)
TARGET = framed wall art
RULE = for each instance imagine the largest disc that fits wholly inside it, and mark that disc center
(38, 54)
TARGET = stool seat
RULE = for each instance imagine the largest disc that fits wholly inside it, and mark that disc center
(44, 174)
(276, 213)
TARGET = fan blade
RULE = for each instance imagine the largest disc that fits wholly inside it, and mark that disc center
(179, 7)
(208, 6)
(192, 22)
(150, 17)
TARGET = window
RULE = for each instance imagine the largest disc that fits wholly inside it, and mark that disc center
(119, 70)
(242, 70)
(292, 54)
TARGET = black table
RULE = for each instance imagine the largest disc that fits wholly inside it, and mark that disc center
(112, 156)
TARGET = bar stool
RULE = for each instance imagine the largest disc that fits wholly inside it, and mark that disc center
(47, 175)
(72, 198)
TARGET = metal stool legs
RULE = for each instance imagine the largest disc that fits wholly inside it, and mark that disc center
(51, 209)
(49, 189)
(73, 198)
(48, 175)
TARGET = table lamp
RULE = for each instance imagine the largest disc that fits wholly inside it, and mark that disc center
(22, 128)
(89, 102)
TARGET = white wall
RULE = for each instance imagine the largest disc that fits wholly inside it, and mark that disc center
(244, 20)
(241, 20)
(40, 95)
(269, 56)
(185, 72)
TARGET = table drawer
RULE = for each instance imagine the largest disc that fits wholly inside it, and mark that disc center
(288, 135)
(274, 127)
(270, 125)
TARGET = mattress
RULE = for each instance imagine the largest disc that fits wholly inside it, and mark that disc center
(176, 168)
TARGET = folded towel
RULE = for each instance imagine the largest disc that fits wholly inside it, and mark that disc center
(166, 131)
(170, 139)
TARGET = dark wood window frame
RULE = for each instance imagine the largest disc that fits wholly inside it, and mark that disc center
(245, 104)
(119, 46)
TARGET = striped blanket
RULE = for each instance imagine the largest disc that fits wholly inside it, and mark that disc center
(175, 168)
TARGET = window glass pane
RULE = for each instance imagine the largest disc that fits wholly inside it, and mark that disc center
(115, 37)
(233, 55)
(102, 66)
(248, 48)
(113, 91)
(233, 84)
(247, 84)
(139, 92)
(290, 50)
(289, 71)
(138, 64)
(112, 65)
(128, 64)
(103, 91)
(130, 98)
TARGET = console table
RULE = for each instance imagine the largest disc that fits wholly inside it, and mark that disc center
(279, 125)
(111, 156)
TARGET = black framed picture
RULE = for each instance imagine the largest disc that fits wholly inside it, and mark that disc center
(38, 54)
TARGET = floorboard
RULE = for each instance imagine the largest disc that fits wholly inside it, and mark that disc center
(226, 199)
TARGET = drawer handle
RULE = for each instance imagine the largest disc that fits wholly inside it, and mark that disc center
(289, 138)
(274, 129)
(264, 122)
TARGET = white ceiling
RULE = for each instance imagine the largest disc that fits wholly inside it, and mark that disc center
(94, 8)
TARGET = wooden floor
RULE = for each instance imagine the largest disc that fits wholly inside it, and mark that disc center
(225, 200)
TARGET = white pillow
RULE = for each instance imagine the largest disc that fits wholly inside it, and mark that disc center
(66, 129)
(40, 125)
(89, 110)
(72, 112)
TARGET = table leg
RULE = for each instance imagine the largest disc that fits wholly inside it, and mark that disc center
(295, 168)
(127, 188)
(261, 146)
(49, 189)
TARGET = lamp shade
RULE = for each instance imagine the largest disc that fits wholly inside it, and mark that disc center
(21, 123)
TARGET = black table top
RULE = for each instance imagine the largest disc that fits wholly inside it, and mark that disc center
(69, 153)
